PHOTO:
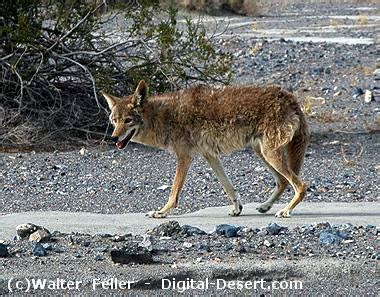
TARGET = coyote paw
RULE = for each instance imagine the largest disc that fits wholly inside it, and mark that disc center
(235, 212)
(156, 214)
(263, 208)
(283, 213)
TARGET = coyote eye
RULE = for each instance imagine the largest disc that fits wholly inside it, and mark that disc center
(128, 120)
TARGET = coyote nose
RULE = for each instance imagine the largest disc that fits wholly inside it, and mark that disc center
(114, 138)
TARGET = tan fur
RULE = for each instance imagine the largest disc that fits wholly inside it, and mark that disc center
(216, 121)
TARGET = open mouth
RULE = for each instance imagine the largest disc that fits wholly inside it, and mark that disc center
(122, 143)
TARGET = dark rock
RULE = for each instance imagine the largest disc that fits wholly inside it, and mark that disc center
(39, 250)
(357, 91)
(190, 230)
(227, 230)
(332, 236)
(170, 228)
(132, 254)
(275, 229)
(204, 247)
(3, 251)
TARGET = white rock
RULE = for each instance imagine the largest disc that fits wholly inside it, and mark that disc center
(146, 242)
(83, 151)
(267, 243)
(40, 235)
(368, 96)
(163, 187)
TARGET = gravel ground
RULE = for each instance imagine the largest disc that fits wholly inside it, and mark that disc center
(340, 165)
(138, 179)
(177, 253)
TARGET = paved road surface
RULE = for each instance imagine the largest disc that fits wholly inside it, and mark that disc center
(137, 223)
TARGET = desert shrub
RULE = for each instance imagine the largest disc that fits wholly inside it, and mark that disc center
(55, 56)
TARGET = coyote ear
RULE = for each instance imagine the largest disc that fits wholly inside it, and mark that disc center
(111, 100)
(141, 94)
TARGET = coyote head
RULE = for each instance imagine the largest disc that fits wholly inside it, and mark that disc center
(125, 114)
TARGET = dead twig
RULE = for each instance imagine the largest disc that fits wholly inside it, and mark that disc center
(354, 159)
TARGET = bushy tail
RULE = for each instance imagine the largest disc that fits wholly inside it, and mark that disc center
(296, 148)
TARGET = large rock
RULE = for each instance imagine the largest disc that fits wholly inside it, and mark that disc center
(170, 229)
(33, 232)
(24, 230)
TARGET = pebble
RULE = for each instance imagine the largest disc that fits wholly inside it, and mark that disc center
(357, 91)
(205, 247)
(3, 251)
(268, 243)
(368, 96)
(187, 245)
(39, 250)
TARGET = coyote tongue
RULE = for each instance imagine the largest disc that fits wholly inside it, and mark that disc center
(121, 144)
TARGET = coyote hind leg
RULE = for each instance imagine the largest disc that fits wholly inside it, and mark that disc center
(275, 158)
(281, 184)
(217, 167)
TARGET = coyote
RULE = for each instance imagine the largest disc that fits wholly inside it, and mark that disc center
(212, 121)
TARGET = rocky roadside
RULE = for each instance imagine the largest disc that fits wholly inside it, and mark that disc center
(182, 252)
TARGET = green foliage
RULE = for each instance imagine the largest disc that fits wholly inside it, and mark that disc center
(183, 51)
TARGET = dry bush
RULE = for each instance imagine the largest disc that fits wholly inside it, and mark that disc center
(55, 58)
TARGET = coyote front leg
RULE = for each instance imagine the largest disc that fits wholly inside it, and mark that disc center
(217, 167)
(183, 165)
